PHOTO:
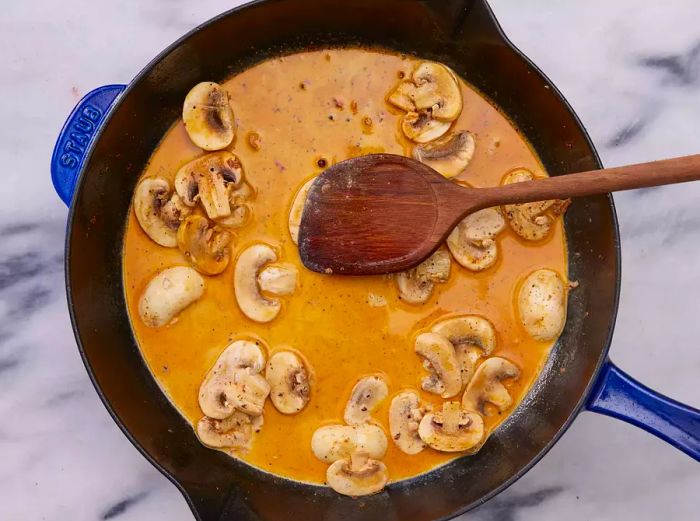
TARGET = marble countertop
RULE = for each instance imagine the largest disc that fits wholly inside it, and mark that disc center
(631, 70)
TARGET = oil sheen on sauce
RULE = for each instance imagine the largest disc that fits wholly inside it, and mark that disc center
(330, 105)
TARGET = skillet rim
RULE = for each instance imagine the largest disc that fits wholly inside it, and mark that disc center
(584, 396)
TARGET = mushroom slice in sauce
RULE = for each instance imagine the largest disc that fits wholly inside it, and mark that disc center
(432, 99)
(280, 279)
(440, 359)
(421, 128)
(432, 87)
(449, 155)
(252, 302)
(159, 211)
(472, 337)
(333, 442)
(239, 199)
(208, 116)
(416, 285)
(243, 354)
(297, 209)
(289, 382)
(234, 383)
(248, 392)
(168, 294)
(472, 241)
(209, 180)
(359, 475)
(365, 397)
(532, 221)
(405, 414)
(542, 304)
(232, 432)
(204, 246)
(452, 429)
(487, 386)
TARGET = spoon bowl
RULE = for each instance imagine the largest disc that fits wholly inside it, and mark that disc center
(374, 214)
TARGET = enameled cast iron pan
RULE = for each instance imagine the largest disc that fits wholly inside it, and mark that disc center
(107, 141)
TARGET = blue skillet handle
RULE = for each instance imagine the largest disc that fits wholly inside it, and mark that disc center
(76, 137)
(618, 395)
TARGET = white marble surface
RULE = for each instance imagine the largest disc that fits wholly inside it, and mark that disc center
(630, 68)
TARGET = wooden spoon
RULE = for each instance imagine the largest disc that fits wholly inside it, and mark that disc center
(382, 213)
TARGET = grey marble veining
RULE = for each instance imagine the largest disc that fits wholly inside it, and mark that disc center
(630, 68)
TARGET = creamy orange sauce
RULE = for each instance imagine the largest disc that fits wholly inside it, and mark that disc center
(300, 105)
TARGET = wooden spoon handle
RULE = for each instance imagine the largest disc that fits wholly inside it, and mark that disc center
(655, 173)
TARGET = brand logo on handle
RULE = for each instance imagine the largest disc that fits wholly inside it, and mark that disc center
(76, 136)
(79, 135)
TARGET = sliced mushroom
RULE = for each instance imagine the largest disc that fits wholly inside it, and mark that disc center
(240, 215)
(472, 337)
(175, 211)
(243, 354)
(232, 432)
(213, 195)
(357, 476)
(279, 279)
(333, 442)
(440, 359)
(247, 392)
(239, 199)
(474, 255)
(542, 304)
(432, 100)
(297, 209)
(484, 224)
(256, 422)
(449, 155)
(234, 383)
(405, 414)
(205, 247)
(421, 128)
(168, 294)
(532, 221)
(452, 429)
(487, 386)
(252, 302)
(472, 241)
(208, 116)
(209, 179)
(289, 382)
(365, 397)
(158, 210)
(432, 87)
(416, 285)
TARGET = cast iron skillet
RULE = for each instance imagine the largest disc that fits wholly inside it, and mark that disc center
(107, 141)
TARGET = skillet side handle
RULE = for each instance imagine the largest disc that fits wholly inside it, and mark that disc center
(618, 395)
(77, 135)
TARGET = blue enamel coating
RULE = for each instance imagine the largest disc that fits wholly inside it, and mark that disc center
(619, 395)
(76, 137)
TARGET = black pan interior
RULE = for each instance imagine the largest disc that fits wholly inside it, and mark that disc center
(460, 33)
